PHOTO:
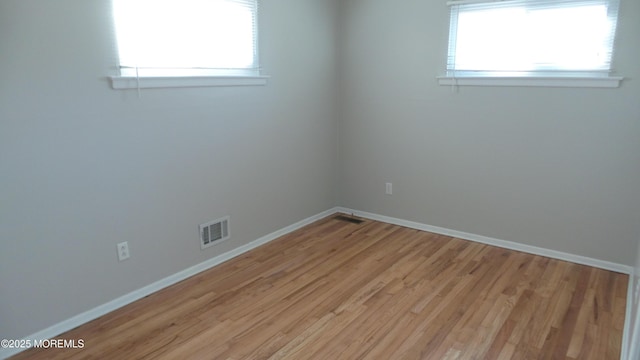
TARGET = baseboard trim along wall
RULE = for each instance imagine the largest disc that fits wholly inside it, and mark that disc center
(630, 346)
(495, 242)
(627, 332)
(115, 304)
(129, 298)
(631, 332)
(631, 336)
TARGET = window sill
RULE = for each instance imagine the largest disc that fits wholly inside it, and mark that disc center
(151, 82)
(586, 82)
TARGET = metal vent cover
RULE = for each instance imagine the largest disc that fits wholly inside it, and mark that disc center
(348, 219)
(214, 232)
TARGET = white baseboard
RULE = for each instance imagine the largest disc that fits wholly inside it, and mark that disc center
(625, 269)
(115, 304)
(631, 338)
(634, 344)
(630, 344)
(629, 347)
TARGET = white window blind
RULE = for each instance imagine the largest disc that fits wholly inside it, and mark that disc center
(531, 37)
(187, 37)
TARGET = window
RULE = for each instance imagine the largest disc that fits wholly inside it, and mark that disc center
(535, 39)
(186, 39)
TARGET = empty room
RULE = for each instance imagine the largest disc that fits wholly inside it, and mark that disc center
(320, 179)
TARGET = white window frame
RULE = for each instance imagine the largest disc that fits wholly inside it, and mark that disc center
(455, 77)
(133, 77)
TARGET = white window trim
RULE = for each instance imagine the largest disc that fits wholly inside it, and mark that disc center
(586, 79)
(160, 77)
(154, 82)
(529, 81)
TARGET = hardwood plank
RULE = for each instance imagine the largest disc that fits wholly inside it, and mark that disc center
(339, 290)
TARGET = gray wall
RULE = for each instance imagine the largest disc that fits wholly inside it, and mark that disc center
(557, 168)
(83, 166)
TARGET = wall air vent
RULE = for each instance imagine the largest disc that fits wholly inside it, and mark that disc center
(214, 232)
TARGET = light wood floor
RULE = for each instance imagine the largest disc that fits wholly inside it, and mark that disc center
(338, 290)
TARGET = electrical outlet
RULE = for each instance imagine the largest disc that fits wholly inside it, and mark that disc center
(123, 251)
(389, 189)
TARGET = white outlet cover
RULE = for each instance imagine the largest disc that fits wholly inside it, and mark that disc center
(123, 251)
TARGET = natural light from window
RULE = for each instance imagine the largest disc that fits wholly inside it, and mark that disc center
(186, 37)
(545, 37)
